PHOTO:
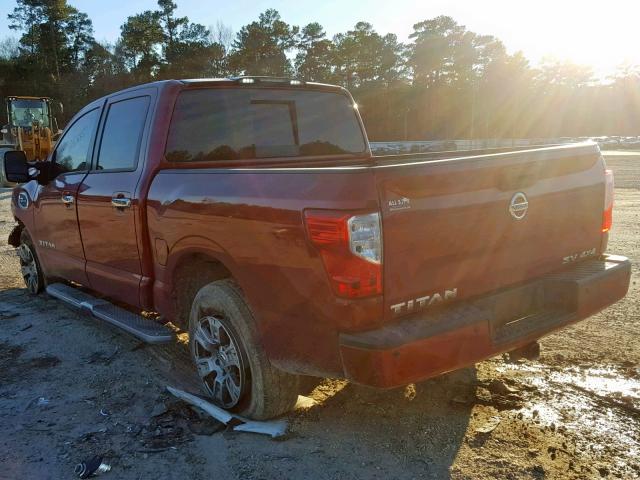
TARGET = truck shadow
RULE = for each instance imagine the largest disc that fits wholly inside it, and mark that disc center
(417, 430)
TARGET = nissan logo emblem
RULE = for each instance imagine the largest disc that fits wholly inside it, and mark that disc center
(23, 200)
(518, 206)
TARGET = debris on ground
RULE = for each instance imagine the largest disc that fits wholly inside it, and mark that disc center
(499, 387)
(175, 423)
(527, 352)
(304, 403)
(273, 428)
(500, 395)
(103, 358)
(39, 401)
(93, 466)
(495, 393)
(158, 409)
(489, 426)
(464, 399)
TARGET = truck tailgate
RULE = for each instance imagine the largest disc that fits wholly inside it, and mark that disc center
(451, 227)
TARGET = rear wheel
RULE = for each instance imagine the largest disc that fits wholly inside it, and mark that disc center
(30, 265)
(230, 362)
(220, 362)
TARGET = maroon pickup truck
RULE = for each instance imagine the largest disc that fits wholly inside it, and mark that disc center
(251, 212)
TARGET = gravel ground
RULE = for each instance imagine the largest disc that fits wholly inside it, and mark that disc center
(72, 387)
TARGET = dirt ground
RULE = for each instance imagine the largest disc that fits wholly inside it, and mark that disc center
(72, 387)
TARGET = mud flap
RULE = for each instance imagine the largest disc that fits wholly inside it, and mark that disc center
(14, 236)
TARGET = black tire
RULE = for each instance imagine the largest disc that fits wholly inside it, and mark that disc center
(31, 270)
(252, 386)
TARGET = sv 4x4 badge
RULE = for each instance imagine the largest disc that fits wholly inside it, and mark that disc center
(402, 203)
(578, 256)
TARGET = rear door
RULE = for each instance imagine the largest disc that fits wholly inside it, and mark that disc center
(108, 203)
(459, 228)
(57, 234)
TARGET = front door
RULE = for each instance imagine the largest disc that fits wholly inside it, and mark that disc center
(57, 235)
(108, 203)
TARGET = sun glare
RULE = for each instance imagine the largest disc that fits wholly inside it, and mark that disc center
(601, 35)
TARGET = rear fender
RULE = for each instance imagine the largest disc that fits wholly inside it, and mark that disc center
(197, 245)
(164, 288)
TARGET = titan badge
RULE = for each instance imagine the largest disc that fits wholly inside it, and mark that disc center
(420, 303)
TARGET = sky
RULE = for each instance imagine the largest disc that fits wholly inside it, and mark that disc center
(602, 34)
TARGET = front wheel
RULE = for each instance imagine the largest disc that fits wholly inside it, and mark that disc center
(231, 363)
(30, 265)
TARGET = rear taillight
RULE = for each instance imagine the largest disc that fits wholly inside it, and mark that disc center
(607, 216)
(351, 250)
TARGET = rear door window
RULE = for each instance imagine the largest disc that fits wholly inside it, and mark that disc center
(122, 133)
(246, 123)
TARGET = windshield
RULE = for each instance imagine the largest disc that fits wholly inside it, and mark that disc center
(26, 112)
(246, 123)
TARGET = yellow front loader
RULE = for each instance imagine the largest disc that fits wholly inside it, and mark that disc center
(32, 126)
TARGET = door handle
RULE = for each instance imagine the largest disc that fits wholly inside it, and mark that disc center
(67, 199)
(121, 202)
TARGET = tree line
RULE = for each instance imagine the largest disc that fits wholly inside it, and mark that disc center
(445, 82)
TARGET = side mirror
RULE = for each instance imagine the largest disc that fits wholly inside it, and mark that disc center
(16, 168)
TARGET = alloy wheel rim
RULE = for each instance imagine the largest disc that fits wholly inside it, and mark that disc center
(219, 362)
(28, 267)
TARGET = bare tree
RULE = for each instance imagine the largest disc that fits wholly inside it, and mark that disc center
(9, 48)
(222, 34)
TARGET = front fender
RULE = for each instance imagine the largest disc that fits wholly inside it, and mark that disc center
(24, 214)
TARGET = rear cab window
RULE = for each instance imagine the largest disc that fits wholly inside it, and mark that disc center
(251, 123)
(123, 129)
